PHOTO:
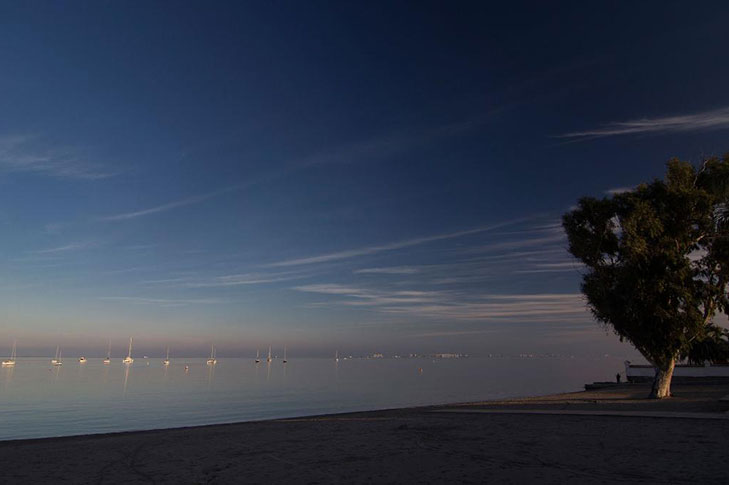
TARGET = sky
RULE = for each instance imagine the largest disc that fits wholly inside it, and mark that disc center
(372, 176)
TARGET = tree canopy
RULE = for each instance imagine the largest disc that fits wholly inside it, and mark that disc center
(657, 260)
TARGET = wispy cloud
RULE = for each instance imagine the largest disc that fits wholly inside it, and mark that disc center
(140, 247)
(561, 267)
(164, 281)
(454, 333)
(373, 149)
(453, 305)
(65, 248)
(510, 256)
(196, 199)
(25, 153)
(53, 227)
(163, 301)
(536, 248)
(369, 297)
(453, 290)
(518, 243)
(351, 253)
(619, 190)
(227, 280)
(557, 308)
(245, 279)
(387, 146)
(388, 270)
(707, 120)
(133, 269)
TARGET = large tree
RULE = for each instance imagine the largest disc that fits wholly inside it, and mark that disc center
(657, 261)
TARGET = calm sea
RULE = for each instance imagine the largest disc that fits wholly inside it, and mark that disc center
(37, 400)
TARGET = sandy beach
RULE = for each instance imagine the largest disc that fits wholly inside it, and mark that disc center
(606, 436)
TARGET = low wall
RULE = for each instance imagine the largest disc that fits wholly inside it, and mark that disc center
(643, 373)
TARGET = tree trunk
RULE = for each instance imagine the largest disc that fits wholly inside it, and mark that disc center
(662, 382)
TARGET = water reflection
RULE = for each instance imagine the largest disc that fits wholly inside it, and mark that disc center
(8, 377)
(69, 404)
(127, 368)
(211, 375)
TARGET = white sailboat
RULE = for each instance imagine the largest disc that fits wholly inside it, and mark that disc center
(128, 359)
(13, 354)
(108, 354)
(212, 360)
(167, 359)
(284, 359)
(336, 356)
(57, 361)
(269, 359)
(258, 356)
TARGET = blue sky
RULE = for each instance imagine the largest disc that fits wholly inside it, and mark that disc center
(363, 177)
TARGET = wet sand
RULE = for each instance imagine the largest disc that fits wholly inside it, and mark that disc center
(681, 440)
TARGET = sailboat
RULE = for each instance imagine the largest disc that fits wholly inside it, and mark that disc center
(57, 361)
(269, 359)
(108, 354)
(167, 359)
(13, 354)
(284, 359)
(336, 356)
(128, 359)
(258, 356)
(212, 360)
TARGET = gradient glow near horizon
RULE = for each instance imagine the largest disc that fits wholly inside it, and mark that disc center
(359, 177)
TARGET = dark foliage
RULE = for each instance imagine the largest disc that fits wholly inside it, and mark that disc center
(657, 261)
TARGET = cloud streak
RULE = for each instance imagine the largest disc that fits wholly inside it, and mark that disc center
(244, 279)
(619, 190)
(351, 253)
(454, 305)
(162, 301)
(549, 239)
(62, 249)
(166, 207)
(707, 120)
(388, 270)
(377, 148)
(24, 154)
